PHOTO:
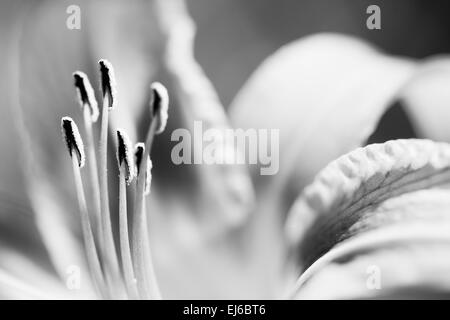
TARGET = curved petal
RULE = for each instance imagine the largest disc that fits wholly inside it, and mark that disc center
(427, 98)
(369, 201)
(224, 189)
(325, 93)
(197, 224)
(408, 263)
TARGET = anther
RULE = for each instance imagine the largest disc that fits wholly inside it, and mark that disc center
(124, 155)
(108, 82)
(159, 105)
(86, 96)
(73, 139)
(139, 149)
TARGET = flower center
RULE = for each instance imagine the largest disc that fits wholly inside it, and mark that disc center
(132, 276)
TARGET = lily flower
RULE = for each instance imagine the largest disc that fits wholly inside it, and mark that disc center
(87, 226)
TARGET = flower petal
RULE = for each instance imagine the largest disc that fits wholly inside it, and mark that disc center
(325, 93)
(408, 263)
(20, 278)
(427, 98)
(224, 189)
(371, 198)
(44, 163)
(128, 36)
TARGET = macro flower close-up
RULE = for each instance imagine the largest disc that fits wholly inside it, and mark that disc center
(170, 149)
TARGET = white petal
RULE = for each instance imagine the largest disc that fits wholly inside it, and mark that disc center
(427, 98)
(381, 198)
(21, 278)
(404, 263)
(325, 93)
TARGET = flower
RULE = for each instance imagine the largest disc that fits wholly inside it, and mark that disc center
(211, 234)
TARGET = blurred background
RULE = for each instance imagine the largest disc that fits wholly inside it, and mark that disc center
(234, 36)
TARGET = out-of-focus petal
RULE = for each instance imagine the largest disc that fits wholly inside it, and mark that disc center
(11, 180)
(325, 93)
(23, 254)
(374, 198)
(197, 213)
(42, 86)
(225, 190)
(16, 224)
(128, 36)
(21, 278)
(427, 98)
(410, 267)
(13, 288)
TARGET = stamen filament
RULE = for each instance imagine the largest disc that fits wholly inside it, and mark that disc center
(138, 274)
(155, 292)
(127, 264)
(147, 283)
(93, 173)
(126, 175)
(109, 250)
(74, 142)
(91, 251)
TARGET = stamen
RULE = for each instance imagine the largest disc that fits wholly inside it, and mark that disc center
(151, 276)
(147, 283)
(86, 94)
(109, 253)
(73, 140)
(159, 105)
(136, 259)
(126, 169)
(90, 110)
(138, 229)
(108, 82)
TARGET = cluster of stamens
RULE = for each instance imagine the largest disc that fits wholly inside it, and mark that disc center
(133, 276)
